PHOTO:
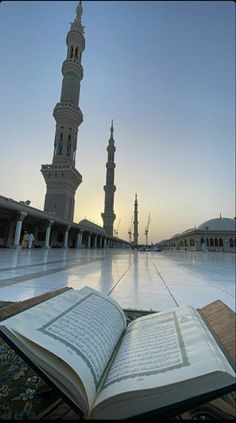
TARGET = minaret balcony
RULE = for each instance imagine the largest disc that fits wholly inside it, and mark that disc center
(110, 165)
(109, 217)
(72, 65)
(67, 175)
(75, 37)
(109, 189)
(111, 148)
(68, 111)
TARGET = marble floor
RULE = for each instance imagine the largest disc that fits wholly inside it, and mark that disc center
(140, 280)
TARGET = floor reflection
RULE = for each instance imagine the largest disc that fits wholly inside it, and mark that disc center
(143, 280)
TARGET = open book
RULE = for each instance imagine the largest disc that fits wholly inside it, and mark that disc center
(81, 342)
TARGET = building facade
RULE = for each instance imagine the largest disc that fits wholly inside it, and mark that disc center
(218, 234)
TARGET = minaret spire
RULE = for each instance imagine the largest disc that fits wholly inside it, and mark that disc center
(61, 177)
(136, 221)
(79, 11)
(109, 216)
(112, 131)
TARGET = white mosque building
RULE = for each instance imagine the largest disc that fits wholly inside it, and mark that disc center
(216, 234)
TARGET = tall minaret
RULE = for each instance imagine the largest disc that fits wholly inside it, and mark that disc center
(136, 222)
(61, 177)
(109, 216)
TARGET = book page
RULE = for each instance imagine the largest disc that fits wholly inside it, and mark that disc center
(83, 330)
(161, 349)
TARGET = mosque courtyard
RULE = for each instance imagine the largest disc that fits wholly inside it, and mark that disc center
(136, 280)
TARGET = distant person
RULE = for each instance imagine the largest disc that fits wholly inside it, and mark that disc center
(30, 239)
(24, 242)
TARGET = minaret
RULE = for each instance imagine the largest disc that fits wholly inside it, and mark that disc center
(109, 216)
(136, 222)
(61, 177)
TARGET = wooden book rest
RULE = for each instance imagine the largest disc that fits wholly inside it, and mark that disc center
(217, 315)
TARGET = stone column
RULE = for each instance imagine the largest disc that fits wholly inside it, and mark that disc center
(81, 237)
(226, 245)
(89, 240)
(78, 240)
(100, 242)
(48, 232)
(19, 219)
(95, 241)
(65, 242)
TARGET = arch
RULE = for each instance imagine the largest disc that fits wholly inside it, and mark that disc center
(231, 243)
(211, 242)
(220, 242)
(60, 236)
(207, 240)
(71, 52)
(76, 53)
(192, 242)
(216, 242)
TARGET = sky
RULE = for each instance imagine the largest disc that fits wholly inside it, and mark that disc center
(164, 71)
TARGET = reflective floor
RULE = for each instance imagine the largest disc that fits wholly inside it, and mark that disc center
(140, 280)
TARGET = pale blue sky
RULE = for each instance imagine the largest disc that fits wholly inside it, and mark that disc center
(164, 71)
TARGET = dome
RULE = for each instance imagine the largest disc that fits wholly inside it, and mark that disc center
(188, 230)
(184, 232)
(86, 224)
(219, 224)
